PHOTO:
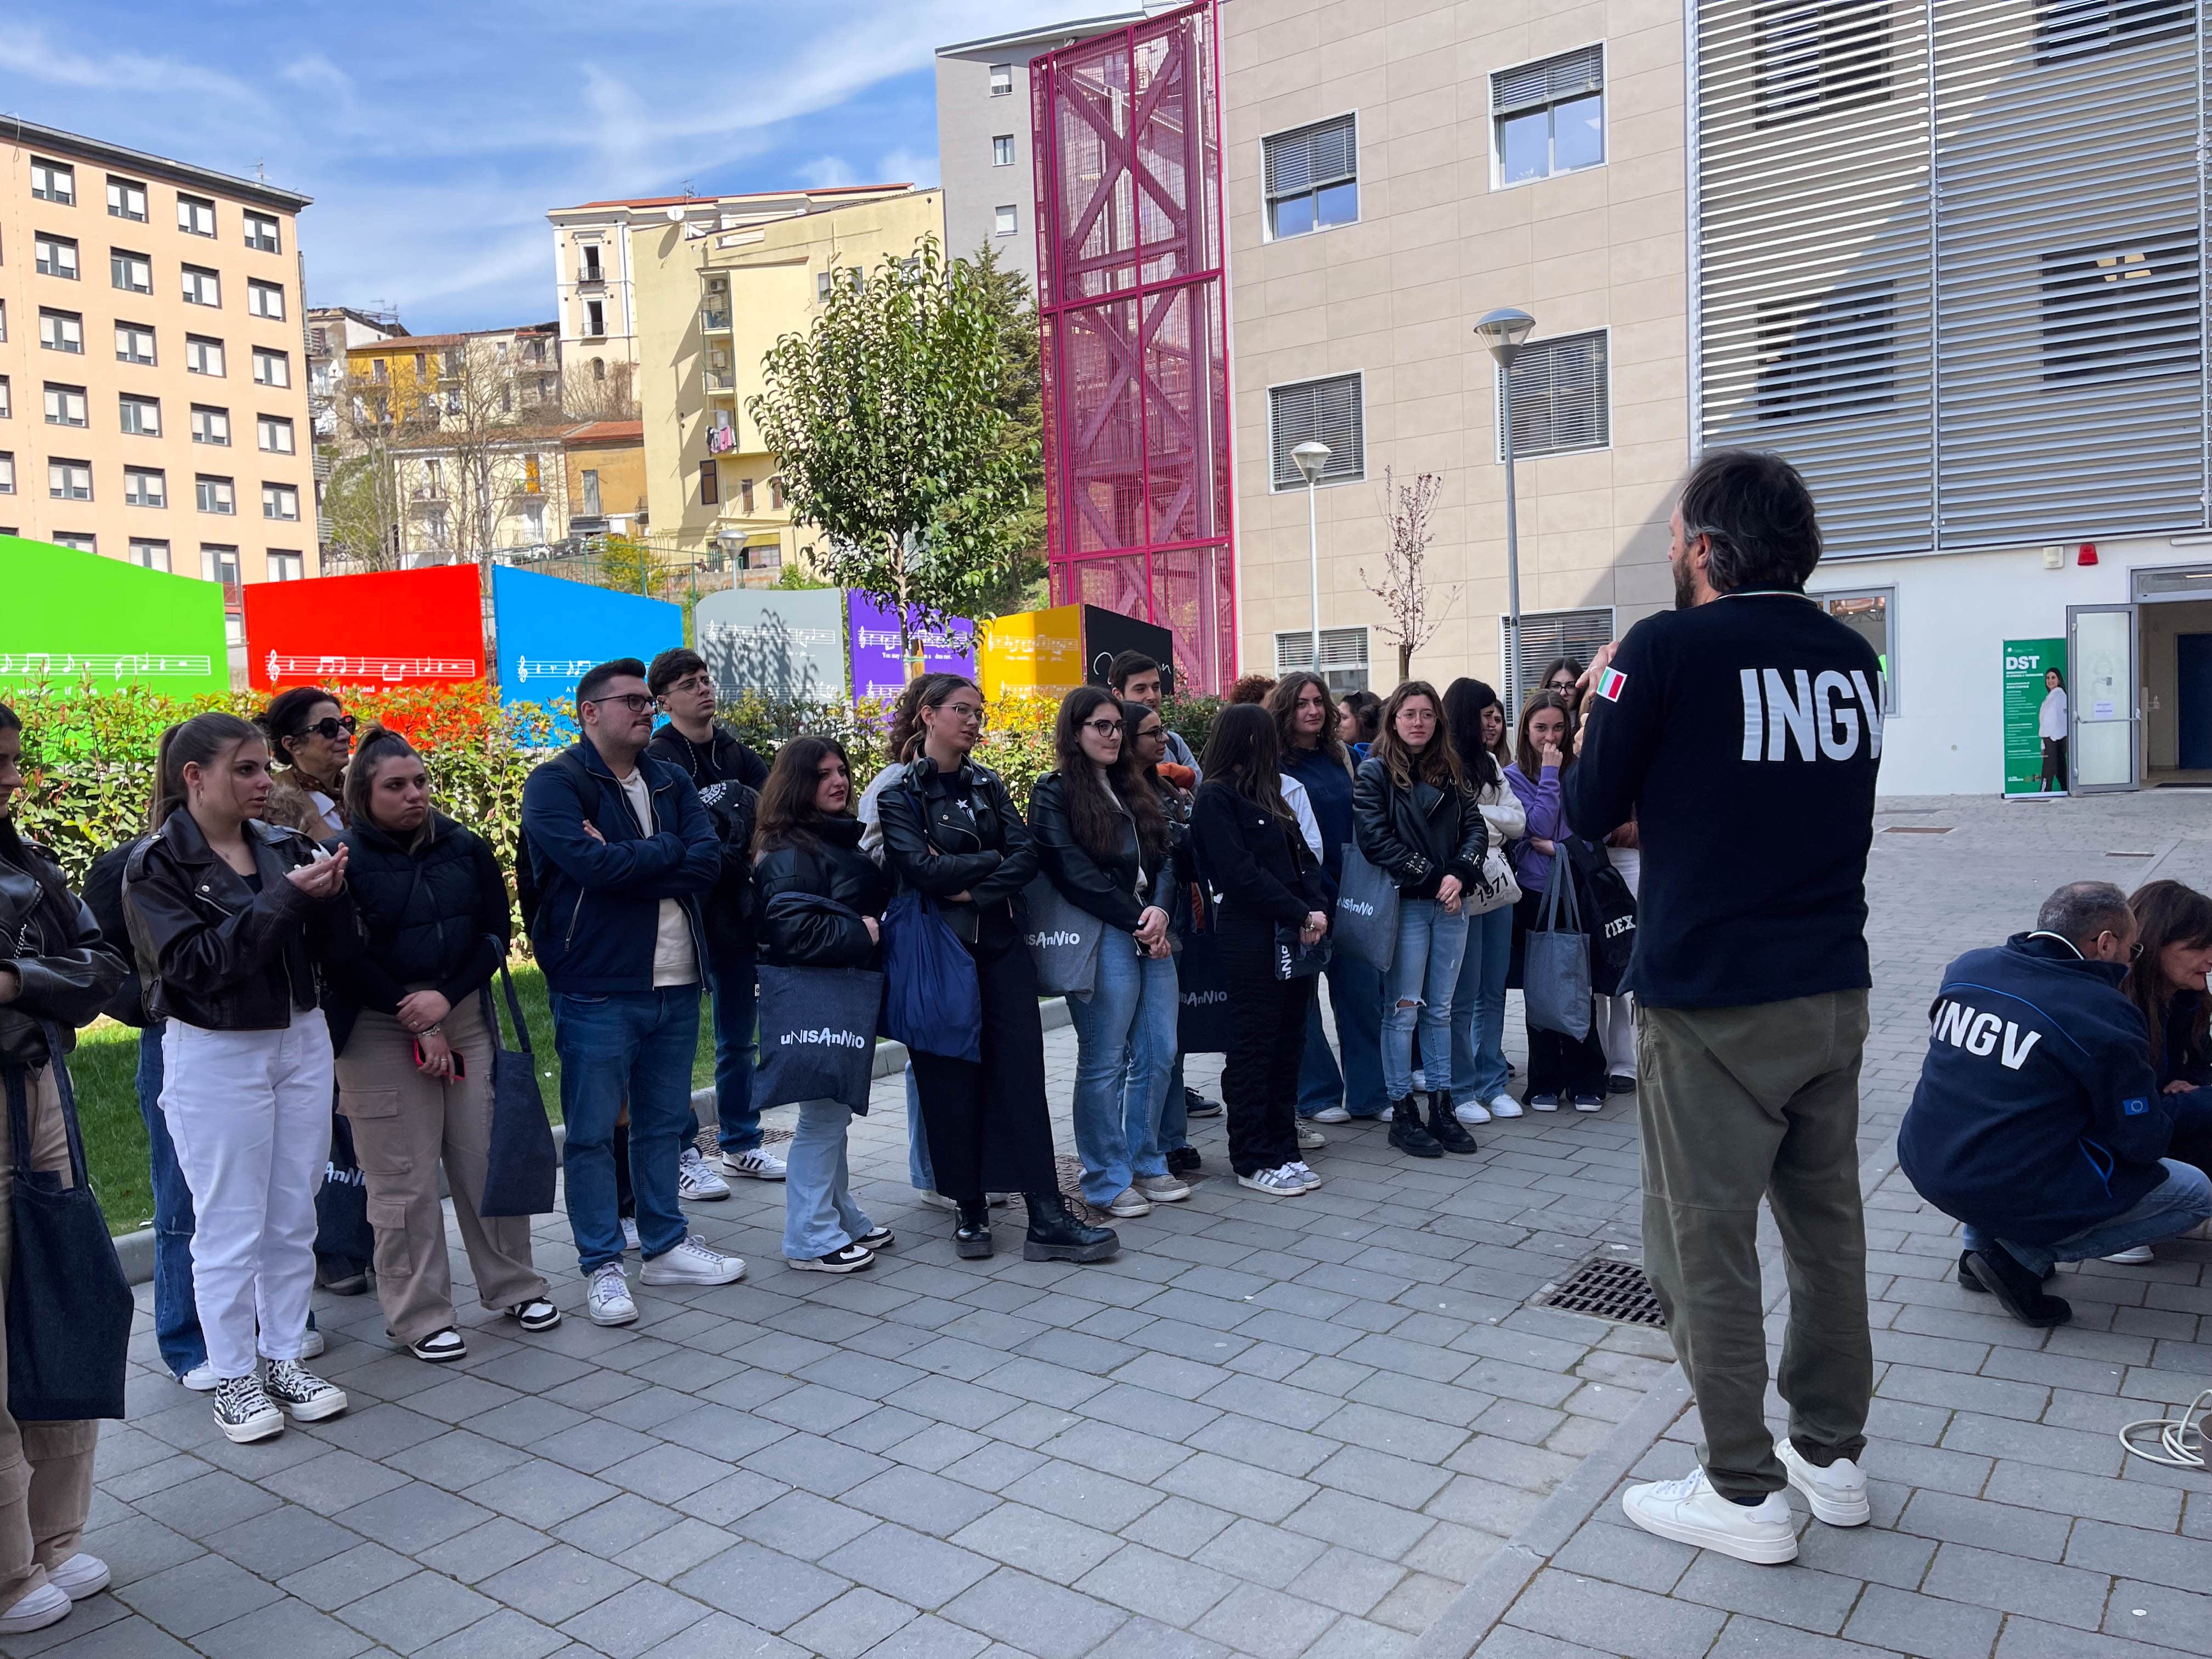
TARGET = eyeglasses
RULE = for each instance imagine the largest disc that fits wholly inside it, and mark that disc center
(967, 711)
(691, 682)
(636, 702)
(331, 726)
(1104, 728)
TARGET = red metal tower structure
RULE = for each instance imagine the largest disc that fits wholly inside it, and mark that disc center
(1133, 311)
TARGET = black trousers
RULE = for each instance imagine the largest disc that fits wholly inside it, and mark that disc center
(1267, 1026)
(2054, 765)
(1557, 1065)
(987, 1123)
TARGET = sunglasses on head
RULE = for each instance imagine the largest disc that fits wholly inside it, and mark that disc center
(331, 726)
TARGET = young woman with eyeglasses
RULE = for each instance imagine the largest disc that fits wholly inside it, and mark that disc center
(1103, 843)
(310, 739)
(1558, 1066)
(1475, 718)
(952, 834)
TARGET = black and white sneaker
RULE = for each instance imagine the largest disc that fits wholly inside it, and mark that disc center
(244, 1412)
(881, 1238)
(845, 1259)
(535, 1315)
(303, 1394)
(440, 1347)
(1197, 1105)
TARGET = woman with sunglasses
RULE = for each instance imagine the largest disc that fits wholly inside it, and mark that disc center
(310, 739)
(1103, 842)
(952, 834)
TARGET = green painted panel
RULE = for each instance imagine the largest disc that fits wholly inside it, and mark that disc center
(65, 615)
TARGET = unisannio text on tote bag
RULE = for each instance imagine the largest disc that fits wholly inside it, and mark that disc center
(1366, 924)
(1063, 940)
(818, 1036)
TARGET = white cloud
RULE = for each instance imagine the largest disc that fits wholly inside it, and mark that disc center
(914, 166)
(827, 172)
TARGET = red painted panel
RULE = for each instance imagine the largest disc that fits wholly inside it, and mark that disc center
(388, 627)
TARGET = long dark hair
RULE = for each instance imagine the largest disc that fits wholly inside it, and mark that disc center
(1243, 751)
(2168, 913)
(58, 907)
(1525, 753)
(378, 745)
(196, 741)
(1366, 707)
(1437, 764)
(1283, 704)
(906, 720)
(931, 691)
(787, 815)
(1091, 813)
(286, 718)
(1464, 701)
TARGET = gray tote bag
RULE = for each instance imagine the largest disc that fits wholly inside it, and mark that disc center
(1063, 940)
(1555, 979)
(1366, 924)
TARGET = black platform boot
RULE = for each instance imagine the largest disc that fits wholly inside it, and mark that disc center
(1445, 1126)
(1407, 1133)
(971, 1234)
(1056, 1235)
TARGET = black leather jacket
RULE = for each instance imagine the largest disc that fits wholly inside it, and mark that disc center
(1106, 887)
(215, 953)
(933, 847)
(1259, 863)
(67, 968)
(1417, 837)
(796, 930)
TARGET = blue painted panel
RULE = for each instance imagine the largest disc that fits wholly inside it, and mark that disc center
(551, 631)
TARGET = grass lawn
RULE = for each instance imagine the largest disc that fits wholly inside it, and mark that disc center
(105, 1070)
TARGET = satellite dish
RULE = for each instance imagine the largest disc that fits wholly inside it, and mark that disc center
(675, 212)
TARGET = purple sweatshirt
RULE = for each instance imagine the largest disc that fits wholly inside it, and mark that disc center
(1547, 817)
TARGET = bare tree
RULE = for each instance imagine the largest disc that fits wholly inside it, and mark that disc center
(377, 424)
(602, 391)
(1404, 590)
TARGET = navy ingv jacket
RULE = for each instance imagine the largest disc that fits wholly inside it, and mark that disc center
(599, 906)
(2037, 1113)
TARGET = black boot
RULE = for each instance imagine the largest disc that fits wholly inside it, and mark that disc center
(2020, 1291)
(1450, 1132)
(1056, 1235)
(971, 1234)
(1407, 1133)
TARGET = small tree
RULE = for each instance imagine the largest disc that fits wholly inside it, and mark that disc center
(887, 429)
(361, 501)
(1404, 590)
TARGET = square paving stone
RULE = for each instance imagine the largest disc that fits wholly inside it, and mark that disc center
(801, 1525)
(1035, 1617)
(280, 1541)
(1174, 1591)
(409, 1615)
(1038, 1540)
(913, 1498)
(910, 1565)
(289, 1629)
(198, 1595)
(851, 1625)
(765, 1588)
(636, 1621)
(413, 1517)
(557, 1584)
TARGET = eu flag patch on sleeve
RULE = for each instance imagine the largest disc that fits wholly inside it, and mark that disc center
(1611, 683)
(2133, 1108)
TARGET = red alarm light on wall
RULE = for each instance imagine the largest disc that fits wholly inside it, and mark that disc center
(2087, 555)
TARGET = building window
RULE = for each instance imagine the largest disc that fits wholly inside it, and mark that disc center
(710, 485)
(1546, 635)
(210, 426)
(141, 417)
(7, 399)
(1005, 219)
(2067, 29)
(134, 343)
(62, 330)
(2121, 311)
(1829, 356)
(4, 320)
(823, 282)
(195, 215)
(1871, 613)
(1817, 56)
(132, 272)
(271, 368)
(126, 199)
(285, 567)
(1329, 411)
(280, 501)
(745, 495)
(261, 232)
(1343, 656)
(1002, 150)
(76, 541)
(144, 486)
(1312, 177)
(7, 473)
(276, 434)
(203, 355)
(215, 495)
(70, 480)
(1561, 399)
(592, 271)
(265, 299)
(219, 564)
(595, 318)
(591, 481)
(203, 287)
(1549, 118)
(1002, 80)
(56, 256)
(53, 181)
(598, 368)
(65, 406)
(149, 555)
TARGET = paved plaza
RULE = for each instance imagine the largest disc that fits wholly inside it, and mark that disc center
(1330, 1426)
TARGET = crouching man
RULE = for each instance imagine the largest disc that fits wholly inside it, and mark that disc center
(2038, 1120)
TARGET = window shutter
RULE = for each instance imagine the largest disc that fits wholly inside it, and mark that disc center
(1535, 84)
(1326, 153)
(1327, 409)
(1560, 397)
(1547, 635)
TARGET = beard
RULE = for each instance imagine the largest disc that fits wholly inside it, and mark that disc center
(1686, 588)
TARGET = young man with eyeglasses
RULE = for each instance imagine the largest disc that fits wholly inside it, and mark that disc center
(623, 853)
(727, 775)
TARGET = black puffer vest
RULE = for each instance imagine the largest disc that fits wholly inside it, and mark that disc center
(419, 912)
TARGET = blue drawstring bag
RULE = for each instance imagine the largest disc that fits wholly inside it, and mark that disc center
(931, 1000)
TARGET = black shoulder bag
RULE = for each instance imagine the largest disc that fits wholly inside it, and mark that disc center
(520, 1164)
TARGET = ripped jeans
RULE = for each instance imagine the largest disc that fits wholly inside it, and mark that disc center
(1418, 989)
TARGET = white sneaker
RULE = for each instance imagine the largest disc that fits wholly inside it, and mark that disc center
(695, 1182)
(1304, 1173)
(1473, 1112)
(1309, 1140)
(998, 1200)
(80, 1576)
(692, 1263)
(2133, 1256)
(1838, 1494)
(311, 1345)
(1129, 1203)
(1503, 1105)
(757, 1164)
(1690, 1511)
(200, 1379)
(1330, 1115)
(40, 1607)
(609, 1301)
(245, 1412)
(1162, 1188)
(629, 1235)
(1285, 1182)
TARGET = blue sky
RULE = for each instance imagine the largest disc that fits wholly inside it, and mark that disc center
(435, 137)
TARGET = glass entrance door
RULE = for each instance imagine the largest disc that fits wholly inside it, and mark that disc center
(2100, 651)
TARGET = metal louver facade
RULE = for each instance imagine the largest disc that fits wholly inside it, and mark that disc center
(1562, 396)
(1329, 411)
(1546, 635)
(1947, 259)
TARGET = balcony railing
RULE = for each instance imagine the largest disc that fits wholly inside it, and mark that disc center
(590, 282)
(719, 375)
(714, 319)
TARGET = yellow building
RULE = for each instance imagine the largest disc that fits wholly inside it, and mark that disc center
(717, 280)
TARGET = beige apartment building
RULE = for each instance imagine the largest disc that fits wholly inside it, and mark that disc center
(153, 384)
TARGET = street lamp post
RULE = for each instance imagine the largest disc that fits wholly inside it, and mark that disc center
(1503, 330)
(1311, 457)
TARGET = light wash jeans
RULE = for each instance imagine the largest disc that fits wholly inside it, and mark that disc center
(633, 1047)
(1418, 989)
(819, 1215)
(1125, 1038)
(917, 1139)
(1355, 997)
(1175, 1112)
(1478, 1010)
(2174, 1205)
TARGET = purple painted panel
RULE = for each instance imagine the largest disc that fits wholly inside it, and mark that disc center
(877, 671)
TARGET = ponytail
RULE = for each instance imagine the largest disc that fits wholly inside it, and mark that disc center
(198, 741)
(375, 746)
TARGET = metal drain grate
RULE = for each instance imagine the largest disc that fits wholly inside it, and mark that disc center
(1607, 1288)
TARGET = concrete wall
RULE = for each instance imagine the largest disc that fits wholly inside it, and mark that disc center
(968, 119)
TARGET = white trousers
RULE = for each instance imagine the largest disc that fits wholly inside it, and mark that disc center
(250, 1113)
(1616, 1016)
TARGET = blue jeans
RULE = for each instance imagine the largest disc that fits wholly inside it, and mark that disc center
(1125, 1036)
(176, 1315)
(1355, 996)
(2174, 1205)
(1418, 989)
(819, 1215)
(917, 1139)
(1174, 1113)
(635, 1046)
(737, 1022)
(1478, 1010)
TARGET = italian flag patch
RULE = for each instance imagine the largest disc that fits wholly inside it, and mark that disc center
(1611, 683)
